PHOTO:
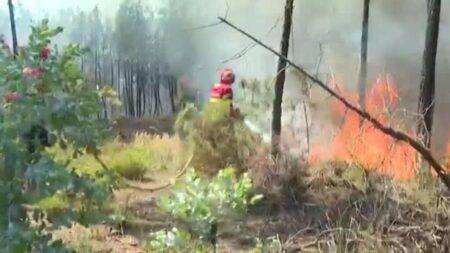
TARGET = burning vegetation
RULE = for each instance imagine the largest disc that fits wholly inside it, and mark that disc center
(357, 141)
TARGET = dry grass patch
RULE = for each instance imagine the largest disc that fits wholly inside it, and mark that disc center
(132, 159)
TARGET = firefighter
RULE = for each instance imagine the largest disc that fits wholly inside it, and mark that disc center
(223, 91)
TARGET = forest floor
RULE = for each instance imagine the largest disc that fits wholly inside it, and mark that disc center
(334, 216)
(336, 208)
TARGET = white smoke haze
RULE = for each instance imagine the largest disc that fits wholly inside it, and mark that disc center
(396, 40)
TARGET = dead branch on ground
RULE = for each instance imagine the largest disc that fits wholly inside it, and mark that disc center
(395, 133)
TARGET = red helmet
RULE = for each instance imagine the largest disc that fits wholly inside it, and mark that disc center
(227, 76)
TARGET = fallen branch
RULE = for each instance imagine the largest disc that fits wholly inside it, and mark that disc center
(397, 134)
(178, 176)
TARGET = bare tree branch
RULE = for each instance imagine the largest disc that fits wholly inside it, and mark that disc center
(397, 134)
(250, 46)
(201, 27)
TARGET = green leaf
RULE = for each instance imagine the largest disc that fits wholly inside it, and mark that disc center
(72, 71)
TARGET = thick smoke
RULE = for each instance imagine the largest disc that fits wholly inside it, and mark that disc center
(397, 35)
(330, 28)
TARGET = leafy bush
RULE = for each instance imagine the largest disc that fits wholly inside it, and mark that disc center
(186, 118)
(202, 203)
(46, 102)
(54, 204)
(131, 163)
(216, 140)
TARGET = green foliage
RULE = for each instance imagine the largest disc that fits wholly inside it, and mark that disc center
(81, 164)
(185, 120)
(54, 204)
(216, 139)
(202, 203)
(130, 160)
(217, 113)
(132, 163)
(43, 89)
(174, 241)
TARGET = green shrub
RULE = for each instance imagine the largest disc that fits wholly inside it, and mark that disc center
(82, 164)
(130, 160)
(131, 163)
(217, 140)
(185, 119)
(54, 205)
(44, 101)
(202, 203)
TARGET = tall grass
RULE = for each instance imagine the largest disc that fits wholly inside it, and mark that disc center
(132, 160)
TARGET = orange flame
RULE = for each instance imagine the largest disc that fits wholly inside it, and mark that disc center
(359, 142)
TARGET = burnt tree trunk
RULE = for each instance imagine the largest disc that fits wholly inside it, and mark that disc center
(101, 85)
(112, 70)
(119, 93)
(125, 88)
(130, 100)
(95, 70)
(138, 90)
(427, 85)
(132, 89)
(157, 99)
(281, 78)
(144, 89)
(13, 27)
(363, 63)
(172, 92)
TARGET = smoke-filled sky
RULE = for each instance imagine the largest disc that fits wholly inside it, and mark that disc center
(43, 8)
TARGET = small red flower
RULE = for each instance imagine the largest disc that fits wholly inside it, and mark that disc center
(11, 97)
(45, 53)
(34, 73)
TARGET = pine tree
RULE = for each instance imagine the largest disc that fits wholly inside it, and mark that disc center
(13, 27)
(281, 78)
(427, 85)
(364, 46)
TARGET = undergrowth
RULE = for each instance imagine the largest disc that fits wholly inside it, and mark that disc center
(131, 160)
(201, 206)
(369, 212)
(216, 139)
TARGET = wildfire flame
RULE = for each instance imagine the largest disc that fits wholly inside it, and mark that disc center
(359, 142)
